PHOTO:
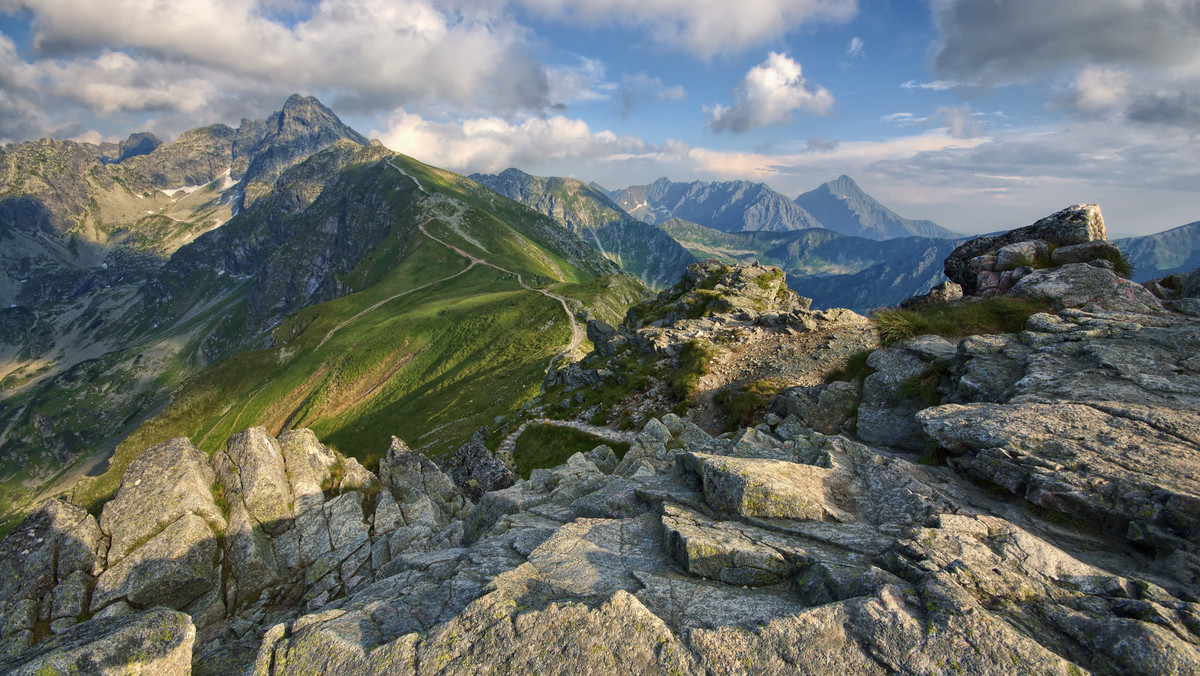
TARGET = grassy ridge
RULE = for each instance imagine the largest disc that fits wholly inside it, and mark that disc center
(428, 350)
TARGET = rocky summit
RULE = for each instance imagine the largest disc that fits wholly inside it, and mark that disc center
(987, 503)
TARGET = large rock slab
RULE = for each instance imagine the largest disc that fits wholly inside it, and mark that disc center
(172, 569)
(766, 488)
(1079, 285)
(161, 485)
(1114, 466)
(156, 642)
(262, 478)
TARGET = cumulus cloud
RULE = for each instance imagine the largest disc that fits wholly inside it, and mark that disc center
(642, 87)
(855, 48)
(1097, 89)
(491, 144)
(703, 27)
(365, 55)
(771, 93)
(583, 82)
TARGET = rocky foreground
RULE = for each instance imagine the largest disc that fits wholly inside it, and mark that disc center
(1052, 525)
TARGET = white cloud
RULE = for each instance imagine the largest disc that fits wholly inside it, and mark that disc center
(362, 55)
(704, 27)
(584, 82)
(855, 48)
(936, 85)
(491, 144)
(771, 93)
(1098, 89)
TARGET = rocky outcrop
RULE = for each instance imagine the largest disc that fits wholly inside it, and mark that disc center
(1077, 224)
(157, 642)
(779, 548)
(475, 470)
(260, 532)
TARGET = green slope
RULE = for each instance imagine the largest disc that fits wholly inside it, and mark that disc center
(449, 330)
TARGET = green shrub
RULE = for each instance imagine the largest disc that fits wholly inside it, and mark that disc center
(693, 365)
(1000, 314)
(1121, 265)
(743, 404)
(923, 387)
(545, 446)
(855, 369)
(764, 281)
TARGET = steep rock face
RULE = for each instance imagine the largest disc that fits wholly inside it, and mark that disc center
(301, 128)
(840, 205)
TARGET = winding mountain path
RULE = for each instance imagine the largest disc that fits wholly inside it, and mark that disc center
(509, 444)
(577, 331)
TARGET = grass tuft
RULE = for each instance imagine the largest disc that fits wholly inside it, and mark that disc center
(855, 369)
(923, 387)
(545, 446)
(693, 365)
(743, 404)
(1000, 314)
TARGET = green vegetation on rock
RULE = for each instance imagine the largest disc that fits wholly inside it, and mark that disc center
(545, 446)
(1000, 314)
(743, 404)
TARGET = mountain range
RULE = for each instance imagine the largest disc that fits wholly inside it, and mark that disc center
(149, 289)
(641, 249)
(288, 272)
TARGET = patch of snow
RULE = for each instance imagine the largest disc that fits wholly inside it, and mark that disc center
(185, 189)
(227, 181)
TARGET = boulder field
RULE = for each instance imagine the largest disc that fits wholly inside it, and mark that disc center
(1039, 514)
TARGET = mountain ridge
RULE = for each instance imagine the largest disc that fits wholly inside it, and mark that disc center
(641, 249)
(726, 205)
(842, 206)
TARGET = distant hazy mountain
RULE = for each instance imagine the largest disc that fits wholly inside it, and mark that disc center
(840, 205)
(732, 206)
(641, 249)
(916, 267)
(834, 270)
(1163, 253)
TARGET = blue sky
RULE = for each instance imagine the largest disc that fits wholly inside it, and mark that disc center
(978, 114)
